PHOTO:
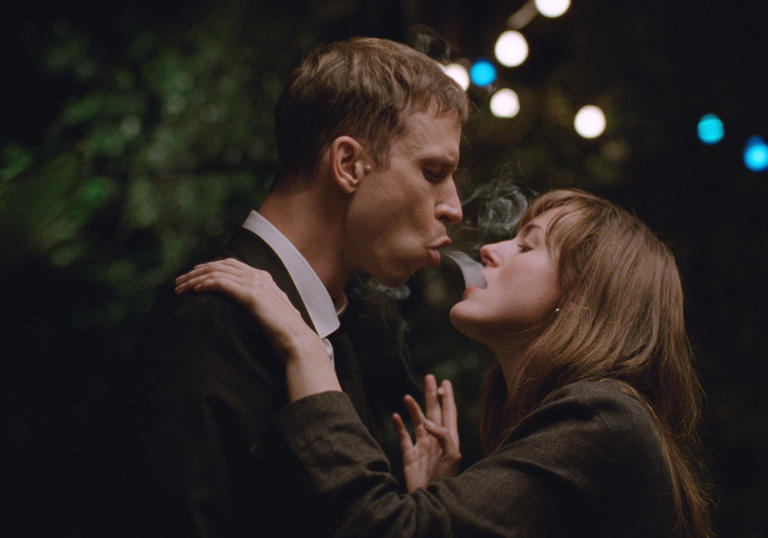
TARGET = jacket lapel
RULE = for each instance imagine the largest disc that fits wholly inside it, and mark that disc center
(250, 248)
(253, 250)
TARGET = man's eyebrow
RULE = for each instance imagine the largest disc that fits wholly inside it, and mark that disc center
(442, 160)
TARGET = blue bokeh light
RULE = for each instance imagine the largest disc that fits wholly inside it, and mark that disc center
(710, 129)
(482, 73)
(756, 154)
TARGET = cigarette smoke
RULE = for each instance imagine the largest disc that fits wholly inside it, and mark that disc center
(498, 206)
(376, 318)
(491, 213)
(471, 270)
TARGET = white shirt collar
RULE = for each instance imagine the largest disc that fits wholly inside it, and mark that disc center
(311, 289)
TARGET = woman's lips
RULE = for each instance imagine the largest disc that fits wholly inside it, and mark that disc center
(469, 291)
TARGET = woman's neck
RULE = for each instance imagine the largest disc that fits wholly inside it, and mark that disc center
(510, 350)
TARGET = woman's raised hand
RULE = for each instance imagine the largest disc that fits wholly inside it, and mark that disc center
(257, 291)
(435, 454)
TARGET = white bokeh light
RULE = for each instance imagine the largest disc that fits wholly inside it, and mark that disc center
(511, 48)
(505, 103)
(458, 73)
(589, 121)
(552, 8)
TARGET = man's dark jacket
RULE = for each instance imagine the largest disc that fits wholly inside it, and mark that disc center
(199, 392)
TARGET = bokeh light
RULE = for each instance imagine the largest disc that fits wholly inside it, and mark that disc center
(505, 103)
(710, 129)
(756, 154)
(552, 8)
(589, 121)
(458, 73)
(483, 73)
(511, 48)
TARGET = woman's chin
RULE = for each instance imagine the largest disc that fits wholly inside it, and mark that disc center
(460, 321)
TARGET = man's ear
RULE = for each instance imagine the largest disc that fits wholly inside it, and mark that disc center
(349, 163)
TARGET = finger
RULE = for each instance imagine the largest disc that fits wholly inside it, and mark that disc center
(226, 284)
(219, 284)
(417, 417)
(204, 269)
(444, 439)
(403, 436)
(236, 267)
(189, 283)
(431, 402)
(450, 415)
(239, 265)
(195, 281)
(420, 431)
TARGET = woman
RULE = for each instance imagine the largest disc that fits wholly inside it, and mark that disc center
(588, 419)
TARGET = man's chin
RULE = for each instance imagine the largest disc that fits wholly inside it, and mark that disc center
(393, 280)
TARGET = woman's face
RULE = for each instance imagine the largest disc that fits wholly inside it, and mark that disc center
(523, 286)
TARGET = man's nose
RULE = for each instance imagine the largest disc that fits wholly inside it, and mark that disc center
(448, 210)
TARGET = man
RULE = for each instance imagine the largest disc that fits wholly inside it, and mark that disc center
(368, 139)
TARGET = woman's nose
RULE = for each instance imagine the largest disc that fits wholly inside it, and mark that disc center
(490, 254)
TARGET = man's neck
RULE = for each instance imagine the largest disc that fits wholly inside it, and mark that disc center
(313, 223)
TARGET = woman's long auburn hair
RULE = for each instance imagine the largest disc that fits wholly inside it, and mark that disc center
(620, 317)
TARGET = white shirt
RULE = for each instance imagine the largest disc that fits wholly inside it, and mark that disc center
(313, 293)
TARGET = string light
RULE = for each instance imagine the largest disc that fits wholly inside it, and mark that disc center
(710, 129)
(458, 73)
(505, 103)
(552, 8)
(482, 73)
(756, 154)
(511, 48)
(589, 121)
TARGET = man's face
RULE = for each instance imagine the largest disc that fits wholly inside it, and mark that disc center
(399, 215)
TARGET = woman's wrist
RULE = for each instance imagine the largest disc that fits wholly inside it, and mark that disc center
(303, 343)
(308, 368)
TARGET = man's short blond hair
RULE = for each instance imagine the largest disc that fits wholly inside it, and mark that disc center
(363, 88)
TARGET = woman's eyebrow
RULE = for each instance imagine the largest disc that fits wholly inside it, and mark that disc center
(530, 227)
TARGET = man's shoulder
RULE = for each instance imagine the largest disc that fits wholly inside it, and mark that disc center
(208, 311)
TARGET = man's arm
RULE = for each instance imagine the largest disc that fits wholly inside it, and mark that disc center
(207, 383)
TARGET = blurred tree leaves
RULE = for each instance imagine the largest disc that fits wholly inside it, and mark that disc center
(159, 148)
(157, 143)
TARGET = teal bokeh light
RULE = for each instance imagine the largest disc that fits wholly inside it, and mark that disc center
(756, 154)
(710, 129)
(482, 73)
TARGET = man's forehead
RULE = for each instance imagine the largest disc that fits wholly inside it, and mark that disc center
(425, 134)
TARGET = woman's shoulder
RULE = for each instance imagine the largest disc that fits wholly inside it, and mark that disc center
(611, 409)
(612, 400)
(595, 435)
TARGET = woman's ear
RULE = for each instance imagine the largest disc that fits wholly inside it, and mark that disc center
(348, 160)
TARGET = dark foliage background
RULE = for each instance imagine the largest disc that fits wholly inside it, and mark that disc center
(136, 136)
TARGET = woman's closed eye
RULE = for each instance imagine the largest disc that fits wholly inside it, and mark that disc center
(523, 247)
